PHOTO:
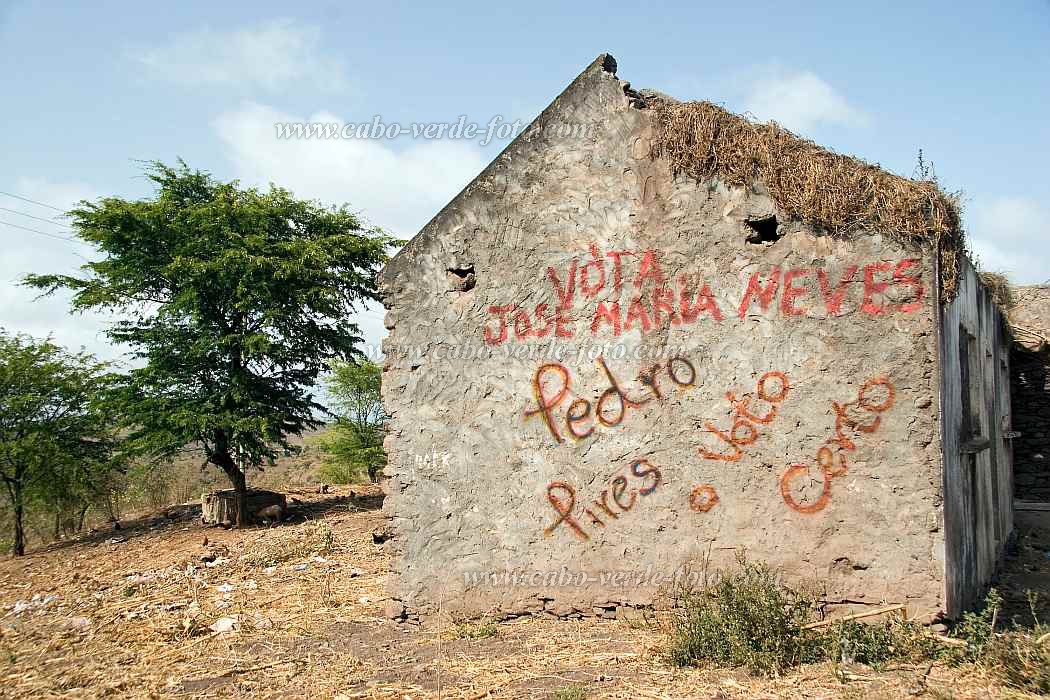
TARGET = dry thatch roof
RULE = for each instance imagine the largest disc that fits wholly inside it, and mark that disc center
(1001, 290)
(839, 194)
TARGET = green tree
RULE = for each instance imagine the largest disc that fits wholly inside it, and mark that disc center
(56, 440)
(235, 300)
(354, 444)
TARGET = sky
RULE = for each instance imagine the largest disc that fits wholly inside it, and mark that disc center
(93, 90)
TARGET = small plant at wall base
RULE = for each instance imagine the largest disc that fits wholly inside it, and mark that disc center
(234, 301)
(475, 629)
(353, 446)
(748, 618)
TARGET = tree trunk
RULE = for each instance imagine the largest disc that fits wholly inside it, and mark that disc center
(221, 508)
(223, 458)
(240, 486)
(20, 535)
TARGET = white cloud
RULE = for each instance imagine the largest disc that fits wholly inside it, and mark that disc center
(1008, 235)
(22, 310)
(271, 55)
(800, 101)
(398, 190)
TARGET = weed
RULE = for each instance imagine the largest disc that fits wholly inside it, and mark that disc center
(478, 629)
(572, 692)
(1019, 657)
(749, 618)
(977, 629)
(874, 644)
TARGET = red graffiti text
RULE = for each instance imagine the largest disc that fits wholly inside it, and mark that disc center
(552, 385)
(771, 389)
(861, 416)
(622, 493)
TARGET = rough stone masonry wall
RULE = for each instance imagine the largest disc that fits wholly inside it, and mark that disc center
(720, 387)
(1030, 388)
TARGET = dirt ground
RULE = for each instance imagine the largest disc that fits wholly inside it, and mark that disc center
(167, 607)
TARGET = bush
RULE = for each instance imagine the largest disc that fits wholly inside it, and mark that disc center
(750, 618)
(875, 643)
(572, 692)
(1022, 659)
(747, 618)
(977, 629)
(475, 629)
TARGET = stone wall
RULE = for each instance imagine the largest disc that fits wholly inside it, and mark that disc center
(1030, 381)
(603, 379)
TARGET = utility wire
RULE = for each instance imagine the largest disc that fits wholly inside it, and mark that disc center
(49, 235)
(38, 218)
(33, 201)
(42, 233)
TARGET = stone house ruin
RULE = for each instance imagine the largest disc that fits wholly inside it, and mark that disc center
(651, 335)
(1030, 386)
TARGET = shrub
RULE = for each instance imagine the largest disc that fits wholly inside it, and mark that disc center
(875, 643)
(749, 618)
(977, 629)
(1020, 658)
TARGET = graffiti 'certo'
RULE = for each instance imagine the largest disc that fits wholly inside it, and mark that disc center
(552, 383)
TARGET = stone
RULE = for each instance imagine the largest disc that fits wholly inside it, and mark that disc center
(224, 624)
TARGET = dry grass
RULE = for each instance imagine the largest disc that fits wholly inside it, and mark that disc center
(839, 194)
(1000, 289)
(311, 539)
(133, 619)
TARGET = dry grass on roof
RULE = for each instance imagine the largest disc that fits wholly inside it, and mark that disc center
(838, 194)
(1000, 289)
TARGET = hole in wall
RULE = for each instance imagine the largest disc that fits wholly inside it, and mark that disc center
(763, 231)
(462, 278)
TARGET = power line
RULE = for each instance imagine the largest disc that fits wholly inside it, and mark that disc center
(42, 233)
(38, 218)
(49, 235)
(33, 201)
